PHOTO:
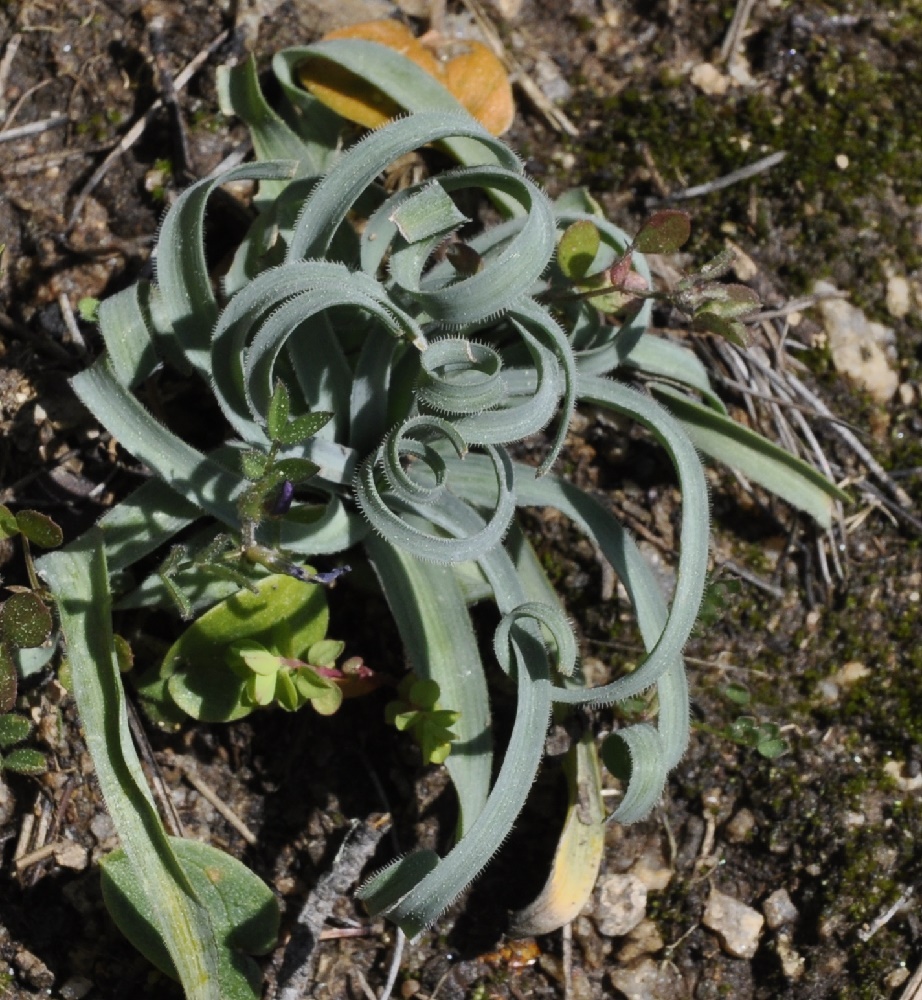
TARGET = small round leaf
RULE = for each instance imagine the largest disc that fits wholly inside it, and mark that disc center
(39, 528)
(25, 761)
(25, 621)
(664, 232)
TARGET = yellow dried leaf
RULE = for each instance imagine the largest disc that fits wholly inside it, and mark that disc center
(351, 96)
(480, 82)
(476, 77)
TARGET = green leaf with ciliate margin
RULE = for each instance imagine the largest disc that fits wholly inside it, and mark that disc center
(429, 212)
(387, 886)
(246, 914)
(25, 621)
(25, 761)
(429, 609)
(182, 270)
(78, 579)
(663, 232)
(634, 755)
(284, 614)
(13, 729)
(577, 249)
(756, 458)
(411, 88)
(39, 529)
(9, 527)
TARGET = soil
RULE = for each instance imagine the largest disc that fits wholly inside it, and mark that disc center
(832, 657)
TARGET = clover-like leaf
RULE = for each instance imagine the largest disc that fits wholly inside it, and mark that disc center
(664, 232)
(9, 527)
(13, 729)
(325, 653)
(577, 249)
(24, 760)
(39, 528)
(25, 621)
(323, 694)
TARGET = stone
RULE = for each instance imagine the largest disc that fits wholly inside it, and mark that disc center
(644, 939)
(708, 79)
(898, 298)
(738, 926)
(779, 909)
(76, 988)
(862, 350)
(793, 963)
(648, 980)
(740, 827)
(622, 905)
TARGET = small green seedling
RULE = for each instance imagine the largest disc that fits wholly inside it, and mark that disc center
(25, 620)
(417, 711)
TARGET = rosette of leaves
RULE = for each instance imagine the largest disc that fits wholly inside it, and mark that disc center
(437, 345)
(417, 711)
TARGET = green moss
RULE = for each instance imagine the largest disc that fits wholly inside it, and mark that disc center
(835, 99)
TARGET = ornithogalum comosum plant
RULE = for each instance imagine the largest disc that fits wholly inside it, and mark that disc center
(437, 345)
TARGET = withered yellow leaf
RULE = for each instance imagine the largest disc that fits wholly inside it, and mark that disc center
(475, 77)
(480, 82)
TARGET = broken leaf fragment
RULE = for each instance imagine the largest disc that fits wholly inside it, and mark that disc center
(474, 76)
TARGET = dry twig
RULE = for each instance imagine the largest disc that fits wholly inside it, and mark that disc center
(743, 174)
(734, 37)
(301, 953)
(208, 793)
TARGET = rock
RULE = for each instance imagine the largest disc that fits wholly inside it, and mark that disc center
(70, 855)
(898, 298)
(648, 980)
(737, 925)
(622, 905)
(33, 970)
(644, 939)
(7, 802)
(708, 78)
(779, 909)
(76, 988)
(860, 349)
(793, 963)
(740, 827)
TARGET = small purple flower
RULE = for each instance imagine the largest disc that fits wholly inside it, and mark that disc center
(330, 577)
(282, 502)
